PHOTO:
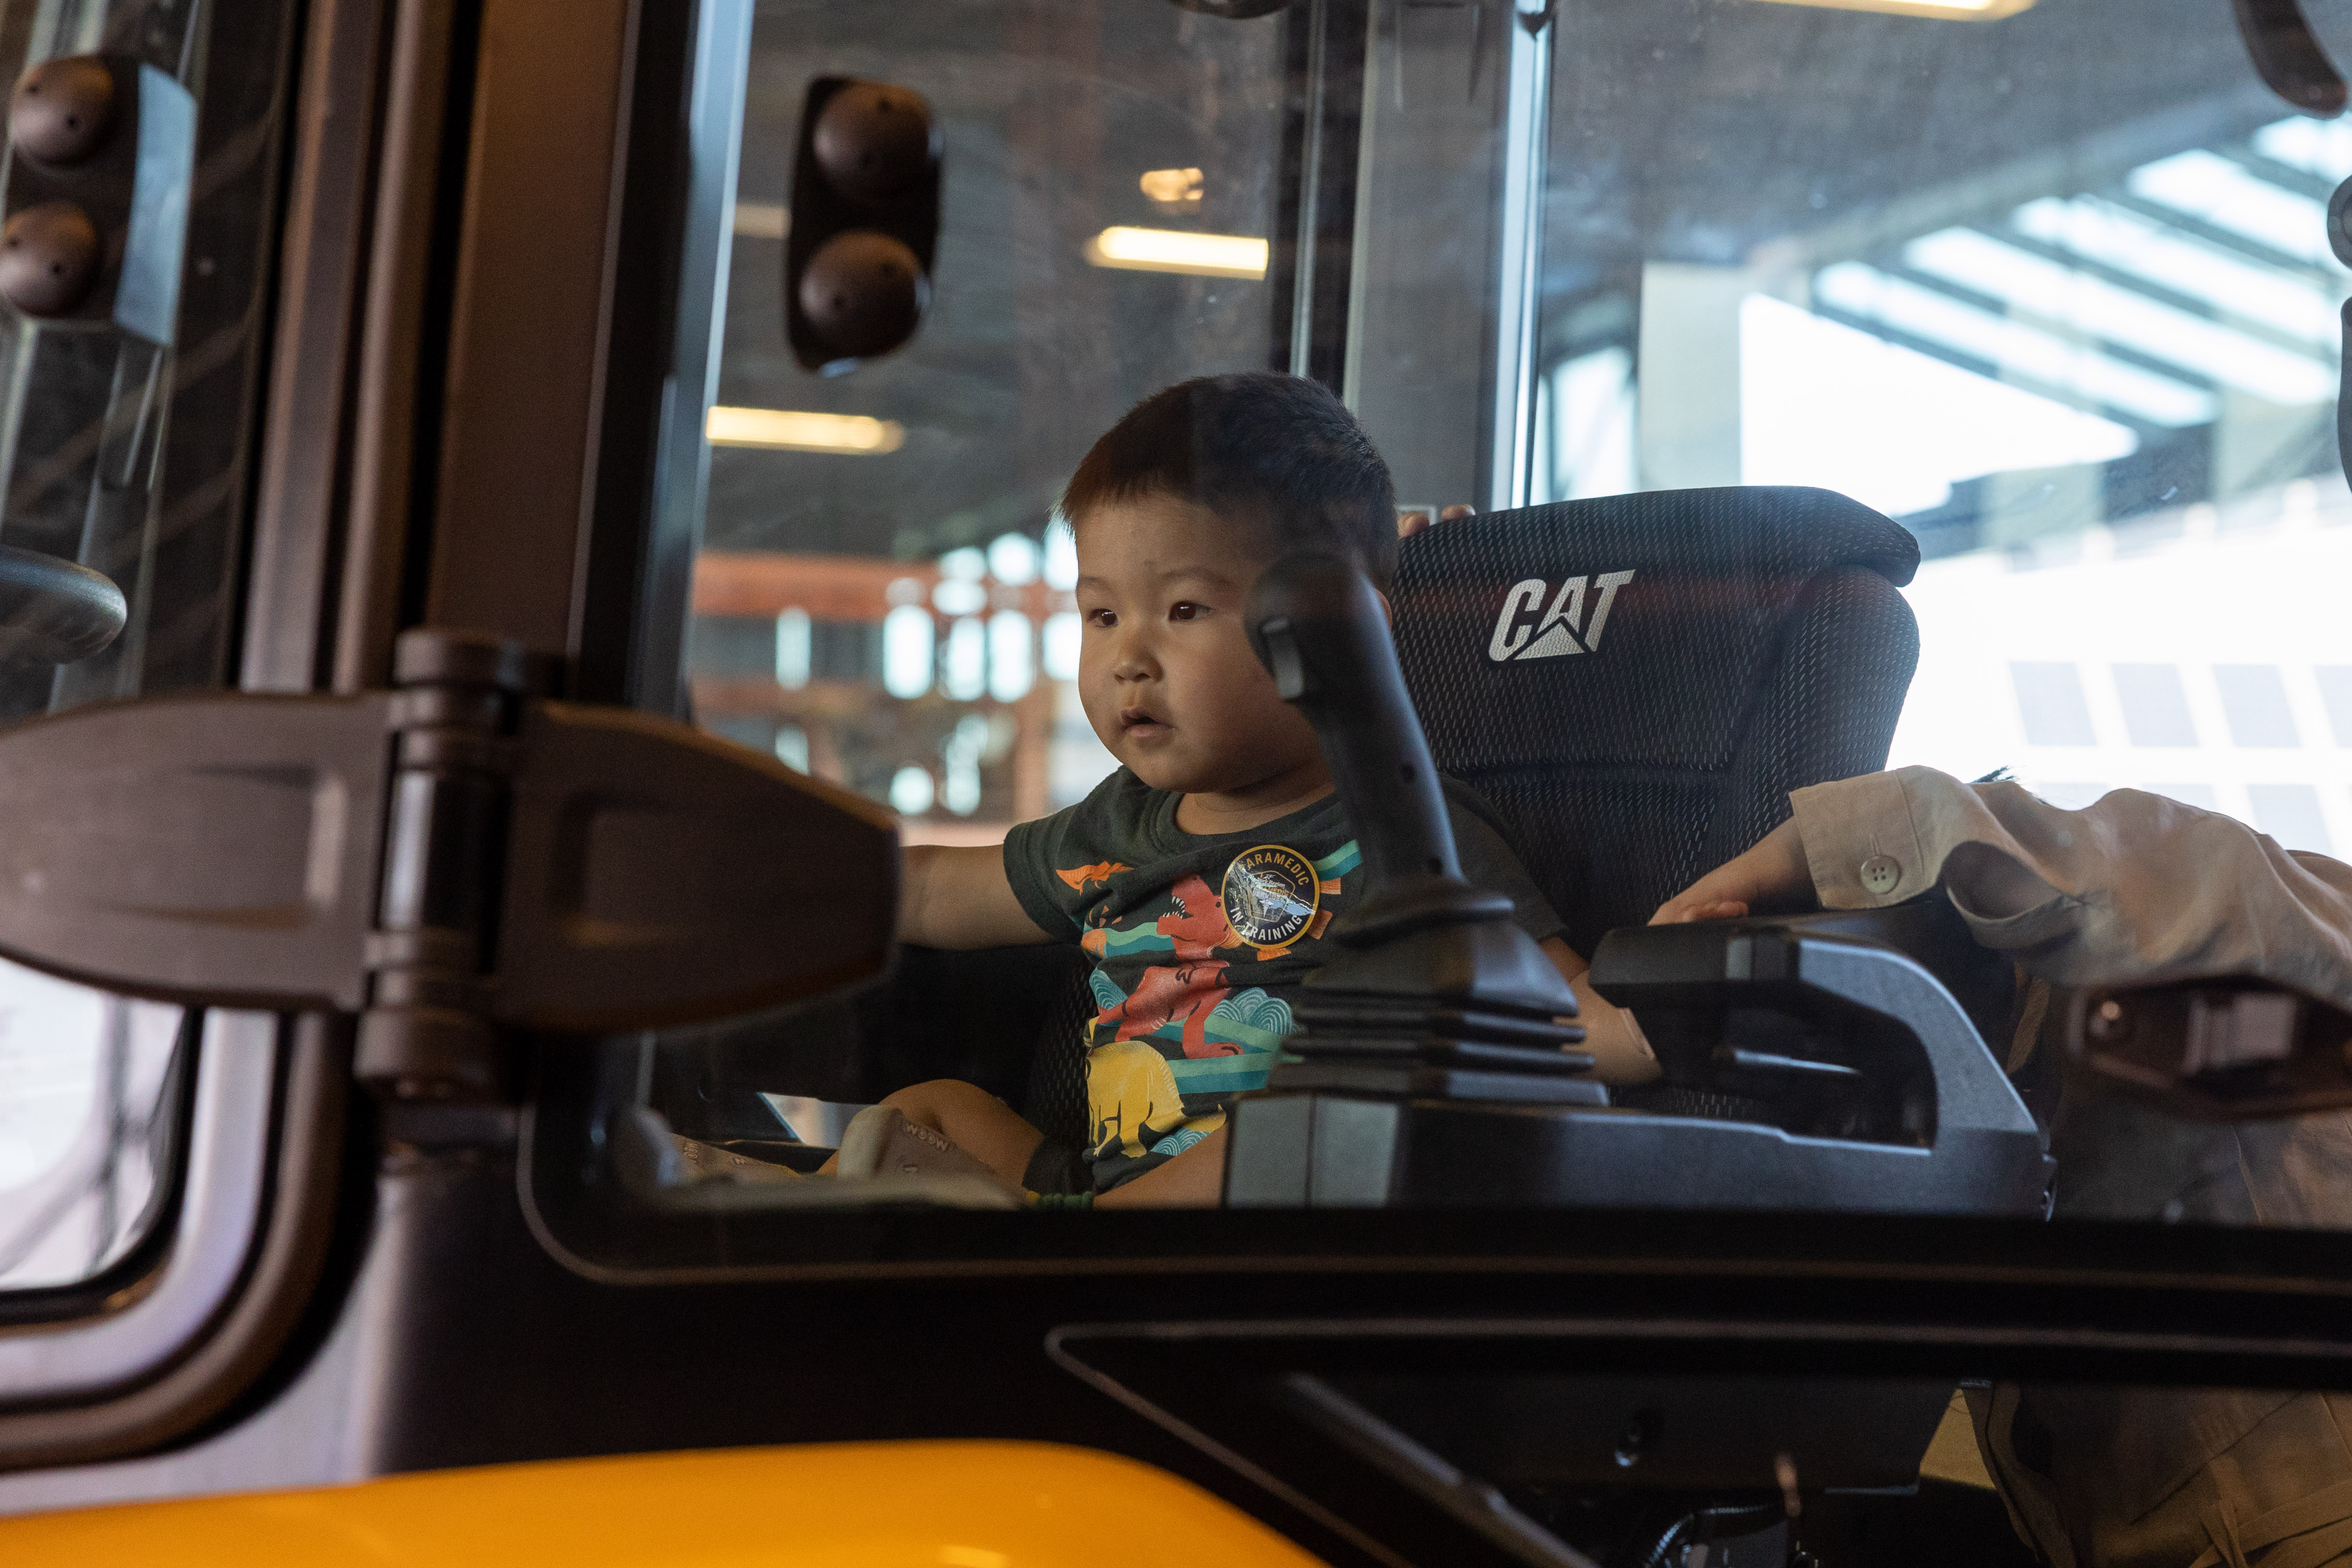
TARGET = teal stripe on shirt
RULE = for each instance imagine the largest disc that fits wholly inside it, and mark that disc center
(1231, 1030)
(1143, 941)
(1339, 862)
(1225, 1031)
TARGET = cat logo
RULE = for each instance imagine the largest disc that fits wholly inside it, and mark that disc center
(1560, 627)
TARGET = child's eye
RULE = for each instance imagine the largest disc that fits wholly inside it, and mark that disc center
(1185, 610)
(1102, 618)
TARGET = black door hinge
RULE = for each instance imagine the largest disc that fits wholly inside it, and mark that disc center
(453, 862)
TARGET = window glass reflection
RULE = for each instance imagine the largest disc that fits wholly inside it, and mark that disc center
(880, 599)
(2044, 287)
(128, 442)
(86, 1130)
(2058, 302)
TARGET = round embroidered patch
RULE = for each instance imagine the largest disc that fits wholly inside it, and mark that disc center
(1270, 893)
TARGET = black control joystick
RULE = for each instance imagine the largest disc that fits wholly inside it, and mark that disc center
(1436, 993)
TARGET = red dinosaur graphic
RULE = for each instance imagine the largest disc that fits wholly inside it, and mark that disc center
(1185, 994)
(1189, 991)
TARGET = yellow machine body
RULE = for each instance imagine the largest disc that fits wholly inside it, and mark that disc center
(841, 1505)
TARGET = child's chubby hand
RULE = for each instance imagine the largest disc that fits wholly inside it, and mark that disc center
(1773, 873)
(1413, 521)
(1620, 1052)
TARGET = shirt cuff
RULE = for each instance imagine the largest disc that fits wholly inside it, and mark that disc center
(1861, 844)
(1885, 838)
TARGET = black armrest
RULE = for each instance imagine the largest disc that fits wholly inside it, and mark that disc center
(1837, 1022)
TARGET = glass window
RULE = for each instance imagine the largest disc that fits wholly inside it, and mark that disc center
(126, 433)
(881, 600)
(2057, 298)
(88, 1102)
(2044, 287)
(882, 597)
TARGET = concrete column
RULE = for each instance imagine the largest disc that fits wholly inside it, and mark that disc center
(1688, 424)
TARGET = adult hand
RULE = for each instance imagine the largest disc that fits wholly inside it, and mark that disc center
(1773, 872)
(1410, 523)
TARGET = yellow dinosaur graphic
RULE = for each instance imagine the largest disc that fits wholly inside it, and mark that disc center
(1132, 1094)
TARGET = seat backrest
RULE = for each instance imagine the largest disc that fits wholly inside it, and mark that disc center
(1637, 682)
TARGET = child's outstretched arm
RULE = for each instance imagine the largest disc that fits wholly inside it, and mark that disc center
(954, 897)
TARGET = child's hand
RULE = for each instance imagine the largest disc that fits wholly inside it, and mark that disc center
(1773, 872)
(1412, 522)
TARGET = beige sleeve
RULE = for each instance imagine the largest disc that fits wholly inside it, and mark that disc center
(2135, 887)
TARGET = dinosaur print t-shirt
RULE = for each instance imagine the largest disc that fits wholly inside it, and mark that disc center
(1199, 942)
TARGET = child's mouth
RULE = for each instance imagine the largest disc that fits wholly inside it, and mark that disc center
(1138, 723)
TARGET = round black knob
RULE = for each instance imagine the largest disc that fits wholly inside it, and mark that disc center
(62, 110)
(53, 610)
(874, 140)
(49, 259)
(863, 293)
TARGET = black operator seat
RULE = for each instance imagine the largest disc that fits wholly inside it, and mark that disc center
(1636, 682)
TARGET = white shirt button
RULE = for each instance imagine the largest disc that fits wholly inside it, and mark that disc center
(1882, 874)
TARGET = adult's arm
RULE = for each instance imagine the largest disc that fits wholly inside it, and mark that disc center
(2134, 888)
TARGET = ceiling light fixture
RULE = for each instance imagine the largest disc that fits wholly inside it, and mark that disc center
(1173, 190)
(763, 220)
(1172, 250)
(794, 430)
(1949, 10)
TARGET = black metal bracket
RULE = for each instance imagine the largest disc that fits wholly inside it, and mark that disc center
(451, 862)
(427, 1034)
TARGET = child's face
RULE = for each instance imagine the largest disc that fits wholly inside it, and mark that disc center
(1165, 668)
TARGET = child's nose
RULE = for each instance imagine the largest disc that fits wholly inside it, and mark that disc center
(1132, 659)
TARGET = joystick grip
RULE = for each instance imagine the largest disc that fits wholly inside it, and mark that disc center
(1433, 992)
(1321, 631)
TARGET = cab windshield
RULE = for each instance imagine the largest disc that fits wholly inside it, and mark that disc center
(1850, 387)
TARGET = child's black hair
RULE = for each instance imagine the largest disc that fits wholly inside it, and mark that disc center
(1276, 454)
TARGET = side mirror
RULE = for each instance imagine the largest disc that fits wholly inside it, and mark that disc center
(865, 223)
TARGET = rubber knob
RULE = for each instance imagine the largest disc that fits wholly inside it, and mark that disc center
(874, 140)
(49, 259)
(863, 293)
(2339, 223)
(62, 110)
(55, 610)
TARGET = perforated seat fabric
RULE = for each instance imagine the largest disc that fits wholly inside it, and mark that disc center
(1725, 647)
(1054, 1100)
